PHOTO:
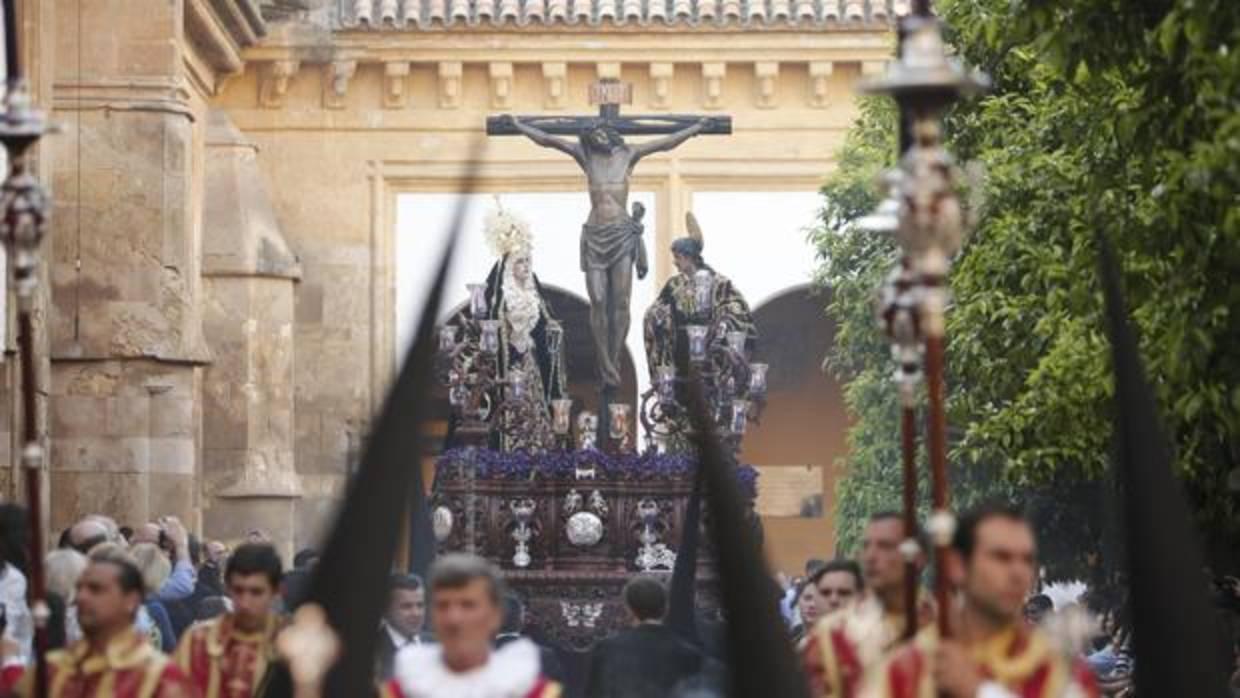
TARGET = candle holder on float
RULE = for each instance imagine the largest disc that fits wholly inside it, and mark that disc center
(468, 364)
(618, 426)
(562, 422)
(733, 387)
(522, 531)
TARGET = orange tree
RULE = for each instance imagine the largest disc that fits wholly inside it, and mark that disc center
(1105, 115)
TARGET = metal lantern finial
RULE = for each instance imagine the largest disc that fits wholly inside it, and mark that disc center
(21, 125)
(24, 203)
(925, 77)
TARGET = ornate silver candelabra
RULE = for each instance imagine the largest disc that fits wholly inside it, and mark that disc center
(734, 387)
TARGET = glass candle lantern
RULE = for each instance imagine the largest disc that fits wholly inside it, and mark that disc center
(740, 416)
(490, 336)
(555, 338)
(697, 342)
(619, 420)
(477, 300)
(447, 339)
(516, 384)
(561, 413)
(736, 341)
(757, 379)
(456, 390)
(704, 292)
(665, 382)
(660, 443)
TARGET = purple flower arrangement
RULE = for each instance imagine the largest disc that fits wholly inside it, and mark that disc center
(521, 465)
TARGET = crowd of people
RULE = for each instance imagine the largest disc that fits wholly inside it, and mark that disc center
(153, 612)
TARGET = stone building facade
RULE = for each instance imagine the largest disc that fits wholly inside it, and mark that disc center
(219, 312)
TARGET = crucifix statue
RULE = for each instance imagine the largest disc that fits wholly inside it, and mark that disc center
(611, 243)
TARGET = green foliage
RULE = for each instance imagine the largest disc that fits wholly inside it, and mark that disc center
(1106, 116)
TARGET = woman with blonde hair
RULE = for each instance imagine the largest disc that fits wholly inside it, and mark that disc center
(155, 568)
(63, 567)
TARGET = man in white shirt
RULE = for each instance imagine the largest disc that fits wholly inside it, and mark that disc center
(467, 597)
(403, 621)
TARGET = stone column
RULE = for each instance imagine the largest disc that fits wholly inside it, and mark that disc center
(250, 275)
(125, 321)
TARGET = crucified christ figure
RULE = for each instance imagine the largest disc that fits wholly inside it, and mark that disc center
(611, 243)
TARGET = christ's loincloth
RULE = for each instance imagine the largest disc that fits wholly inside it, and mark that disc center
(602, 246)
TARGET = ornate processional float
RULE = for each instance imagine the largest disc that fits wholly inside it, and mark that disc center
(571, 503)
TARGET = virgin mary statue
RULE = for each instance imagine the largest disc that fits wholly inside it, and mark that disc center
(531, 360)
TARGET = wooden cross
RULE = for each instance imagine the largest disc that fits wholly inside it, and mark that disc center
(609, 94)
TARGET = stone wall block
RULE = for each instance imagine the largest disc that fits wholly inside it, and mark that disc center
(349, 301)
(123, 495)
(128, 416)
(133, 329)
(172, 455)
(231, 519)
(142, 19)
(307, 435)
(148, 58)
(100, 454)
(172, 417)
(309, 303)
(96, 379)
(82, 415)
(171, 495)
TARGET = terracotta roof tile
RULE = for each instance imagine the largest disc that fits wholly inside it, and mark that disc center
(426, 14)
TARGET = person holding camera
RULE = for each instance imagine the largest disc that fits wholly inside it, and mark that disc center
(173, 538)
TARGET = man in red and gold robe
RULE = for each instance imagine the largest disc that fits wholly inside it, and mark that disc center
(992, 653)
(228, 656)
(112, 660)
(847, 643)
(467, 608)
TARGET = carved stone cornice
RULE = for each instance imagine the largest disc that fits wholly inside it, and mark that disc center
(336, 83)
(395, 89)
(166, 95)
(274, 80)
(501, 85)
(767, 74)
(819, 74)
(661, 75)
(555, 80)
(450, 73)
(218, 31)
(713, 74)
(605, 48)
(778, 64)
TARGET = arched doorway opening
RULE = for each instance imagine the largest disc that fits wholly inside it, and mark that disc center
(803, 430)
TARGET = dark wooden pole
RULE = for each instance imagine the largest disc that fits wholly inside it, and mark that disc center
(11, 63)
(33, 460)
(908, 414)
(908, 443)
(936, 443)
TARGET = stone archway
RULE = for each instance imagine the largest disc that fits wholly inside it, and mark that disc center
(805, 422)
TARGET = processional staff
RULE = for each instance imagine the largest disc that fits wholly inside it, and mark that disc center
(924, 213)
(23, 223)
